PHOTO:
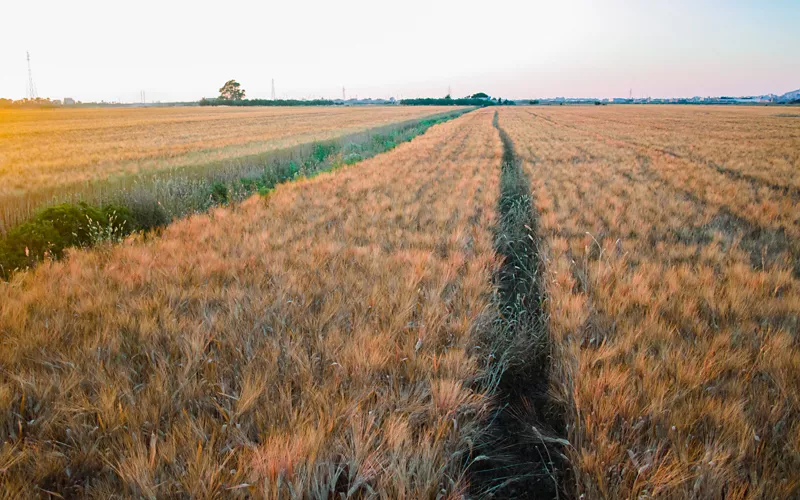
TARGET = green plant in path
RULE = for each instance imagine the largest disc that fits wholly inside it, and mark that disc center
(219, 193)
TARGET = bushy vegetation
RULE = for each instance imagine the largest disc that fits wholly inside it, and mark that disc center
(466, 101)
(60, 227)
(447, 102)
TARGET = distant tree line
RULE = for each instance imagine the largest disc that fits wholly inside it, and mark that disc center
(265, 102)
(39, 102)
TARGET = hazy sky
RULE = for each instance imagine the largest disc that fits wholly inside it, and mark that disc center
(183, 50)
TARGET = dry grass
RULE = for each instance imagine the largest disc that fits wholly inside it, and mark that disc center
(674, 298)
(320, 341)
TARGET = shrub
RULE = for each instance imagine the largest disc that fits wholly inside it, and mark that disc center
(322, 152)
(219, 193)
(60, 227)
(147, 213)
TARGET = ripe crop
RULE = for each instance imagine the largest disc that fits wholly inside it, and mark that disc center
(671, 243)
(62, 154)
(316, 342)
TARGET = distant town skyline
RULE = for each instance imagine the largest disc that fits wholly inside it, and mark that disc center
(182, 51)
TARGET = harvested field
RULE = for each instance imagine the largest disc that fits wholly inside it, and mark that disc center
(670, 236)
(317, 342)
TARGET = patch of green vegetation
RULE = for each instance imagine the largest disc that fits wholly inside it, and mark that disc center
(219, 193)
(57, 228)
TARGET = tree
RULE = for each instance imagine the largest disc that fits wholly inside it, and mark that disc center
(231, 91)
(480, 95)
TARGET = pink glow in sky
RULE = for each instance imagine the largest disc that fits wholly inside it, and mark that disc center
(184, 50)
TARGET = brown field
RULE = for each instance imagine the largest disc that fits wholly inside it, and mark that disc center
(317, 342)
(671, 243)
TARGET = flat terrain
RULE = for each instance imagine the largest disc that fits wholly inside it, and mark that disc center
(50, 156)
(318, 341)
(338, 335)
(51, 147)
(671, 237)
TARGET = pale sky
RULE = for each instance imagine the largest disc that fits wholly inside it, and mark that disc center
(183, 50)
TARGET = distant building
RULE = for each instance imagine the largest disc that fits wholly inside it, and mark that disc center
(57, 102)
(69, 100)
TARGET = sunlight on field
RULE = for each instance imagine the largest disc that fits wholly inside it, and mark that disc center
(51, 147)
(340, 334)
(672, 268)
(320, 341)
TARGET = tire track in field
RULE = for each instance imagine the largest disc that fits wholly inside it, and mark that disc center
(521, 454)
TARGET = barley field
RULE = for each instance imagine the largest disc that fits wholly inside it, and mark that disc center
(670, 237)
(318, 342)
(57, 154)
(571, 302)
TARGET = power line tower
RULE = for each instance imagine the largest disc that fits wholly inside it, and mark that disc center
(31, 90)
(630, 95)
(343, 95)
(273, 89)
(449, 91)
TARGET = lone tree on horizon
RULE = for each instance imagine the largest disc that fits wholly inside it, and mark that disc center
(231, 91)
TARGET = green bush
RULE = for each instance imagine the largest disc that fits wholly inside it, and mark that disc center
(57, 228)
(322, 151)
(219, 193)
(353, 158)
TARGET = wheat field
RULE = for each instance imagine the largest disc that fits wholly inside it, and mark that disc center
(318, 342)
(671, 243)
